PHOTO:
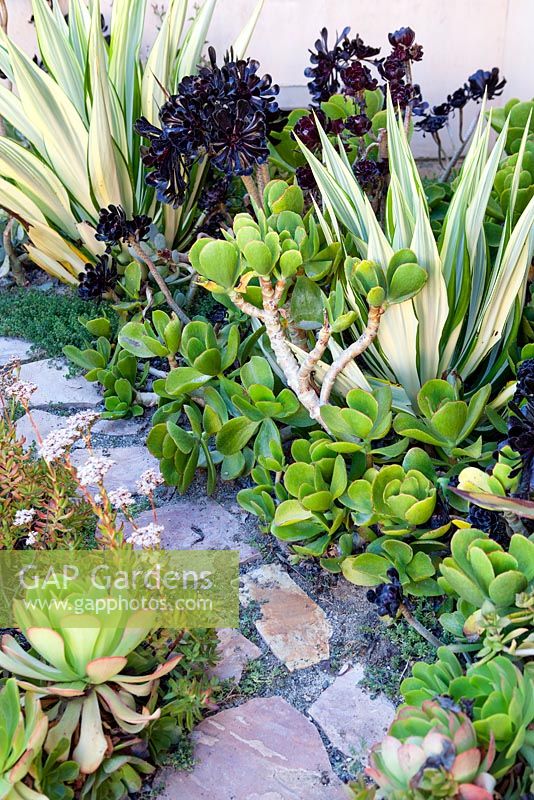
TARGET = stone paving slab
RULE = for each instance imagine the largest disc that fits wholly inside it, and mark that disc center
(45, 422)
(118, 427)
(293, 625)
(17, 348)
(199, 524)
(350, 717)
(130, 463)
(53, 386)
(261, 750)
(235, 651)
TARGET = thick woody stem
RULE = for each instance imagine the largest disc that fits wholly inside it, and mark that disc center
(279, 289)
(14, 261)
(356, 349)
(306, 368)
(263, 177)
(252, 189)
(138, 250)
(246, 307)
(282, 351)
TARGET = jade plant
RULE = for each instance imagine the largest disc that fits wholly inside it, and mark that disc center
(81, 669)
(445, 420)
(497, 695)
(119, 373)
(23, 731)
(493, 591)
(269, 266)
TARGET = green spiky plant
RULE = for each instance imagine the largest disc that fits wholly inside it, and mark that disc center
(21, 737)
(467, 313)
(78, 121)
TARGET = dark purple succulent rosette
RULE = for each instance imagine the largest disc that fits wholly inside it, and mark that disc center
(113, 227)
(387, 597)
(224, 114)
(98, 278)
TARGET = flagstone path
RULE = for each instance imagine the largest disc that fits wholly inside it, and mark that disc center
(264, 748)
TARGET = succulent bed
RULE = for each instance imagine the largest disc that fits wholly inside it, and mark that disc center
(291, 307)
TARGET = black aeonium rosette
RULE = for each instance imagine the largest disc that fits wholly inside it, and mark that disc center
(387, 597)
(98, 278)
(224, 114)
(113, 226)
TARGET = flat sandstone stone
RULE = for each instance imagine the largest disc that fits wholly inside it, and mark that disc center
(45, 423)
(292, 624)
(199, 524)
(235, 651)
(130, 463)
(118, 427)
(53, 386)
(261, 750)
(349, 716)
(14, 348)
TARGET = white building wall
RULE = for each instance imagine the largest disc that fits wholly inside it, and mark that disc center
(458, 36)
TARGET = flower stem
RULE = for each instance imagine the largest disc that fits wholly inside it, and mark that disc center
(138, 250)
(445, 175)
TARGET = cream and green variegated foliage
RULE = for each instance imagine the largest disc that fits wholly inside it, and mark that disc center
(80, 663)
(22, 734)
(81, 152)
(468, 311)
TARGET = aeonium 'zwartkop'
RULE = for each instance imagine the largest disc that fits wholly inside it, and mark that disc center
(99, 278)
(223, 114)
(114, 227)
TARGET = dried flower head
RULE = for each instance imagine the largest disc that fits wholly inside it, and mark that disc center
(20, 391)
(121, 497)
(82, 421)
(9, 374)
(57, 443)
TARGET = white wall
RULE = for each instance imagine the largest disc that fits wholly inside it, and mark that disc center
(458, 36)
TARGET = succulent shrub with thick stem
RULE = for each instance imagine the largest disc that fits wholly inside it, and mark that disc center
(299, 376)
(285, 251)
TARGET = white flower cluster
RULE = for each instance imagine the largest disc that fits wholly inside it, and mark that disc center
(57, 442)
(94, 470)
(20, 391)
(31, 539)
(8, 374)
(121, 497)
(82, 421)
(23, 517)
(148, 538)
(148, 480)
